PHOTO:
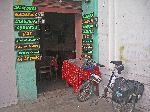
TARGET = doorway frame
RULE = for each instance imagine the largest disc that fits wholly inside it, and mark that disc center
(78, 25)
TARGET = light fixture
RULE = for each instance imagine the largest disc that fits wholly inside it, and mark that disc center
(60, 1)
(87, 1)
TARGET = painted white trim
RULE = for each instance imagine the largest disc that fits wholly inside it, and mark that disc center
(111, 32)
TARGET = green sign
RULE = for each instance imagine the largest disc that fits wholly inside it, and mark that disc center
(27, 40)
(87, 26)
(26, 27)
(27, 33)
(87, 40)
(88, 31)
(28, 58)
(25, 21)
(26, 14)
(27, 46)
(88, 16)
(29, 52)
(24, 8)
(85, 36)
(86, 21)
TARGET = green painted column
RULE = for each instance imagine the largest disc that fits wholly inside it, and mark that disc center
(25, 71)
(89, 8)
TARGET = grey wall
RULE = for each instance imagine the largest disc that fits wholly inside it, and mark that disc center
(124, 34)
(8, 91)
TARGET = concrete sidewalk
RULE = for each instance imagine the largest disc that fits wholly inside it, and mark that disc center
(60, 100)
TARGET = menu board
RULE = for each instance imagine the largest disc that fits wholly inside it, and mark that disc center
(26, 23)
(89, 22)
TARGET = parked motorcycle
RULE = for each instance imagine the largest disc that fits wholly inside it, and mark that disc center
(124, 93)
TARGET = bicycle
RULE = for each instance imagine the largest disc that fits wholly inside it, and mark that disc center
(124, 93)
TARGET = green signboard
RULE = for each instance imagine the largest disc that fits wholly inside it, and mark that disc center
(88, 16)
(26, 27)
(24, 8)
(25, 21)
(88, 26)
(28, 52)
(27, 46)
(26, 40)
(87, 40)
(28, 58)
(25, 14)
(27, 33)
(87, 31)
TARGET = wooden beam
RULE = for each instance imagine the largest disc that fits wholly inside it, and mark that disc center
(59, 10)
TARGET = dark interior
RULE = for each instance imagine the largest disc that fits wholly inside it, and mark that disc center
(57, 39)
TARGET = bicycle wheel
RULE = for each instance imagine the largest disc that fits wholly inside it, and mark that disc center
(85, 91)
(129, 107)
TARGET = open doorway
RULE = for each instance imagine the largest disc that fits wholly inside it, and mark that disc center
(57, 40)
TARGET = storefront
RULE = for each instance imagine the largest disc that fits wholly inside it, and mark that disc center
(72, 17)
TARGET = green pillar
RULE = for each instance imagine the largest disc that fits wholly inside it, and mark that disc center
(25, 71)
(89, 8)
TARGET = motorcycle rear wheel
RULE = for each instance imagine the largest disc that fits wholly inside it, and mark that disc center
(85, 91)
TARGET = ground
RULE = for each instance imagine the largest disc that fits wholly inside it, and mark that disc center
(60, 100)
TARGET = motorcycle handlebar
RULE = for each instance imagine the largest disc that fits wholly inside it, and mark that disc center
(100, 65)
(118, 66)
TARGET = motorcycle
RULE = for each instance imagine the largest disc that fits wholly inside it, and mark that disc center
(124, 93)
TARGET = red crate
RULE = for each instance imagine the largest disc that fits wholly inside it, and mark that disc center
(74, 75)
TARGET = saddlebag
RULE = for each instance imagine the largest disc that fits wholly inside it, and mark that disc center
(122, 90)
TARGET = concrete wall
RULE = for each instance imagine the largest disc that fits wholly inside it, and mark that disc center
(124, 34)
(8, 91)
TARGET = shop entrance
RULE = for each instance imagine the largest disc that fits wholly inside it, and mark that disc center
(57, 43)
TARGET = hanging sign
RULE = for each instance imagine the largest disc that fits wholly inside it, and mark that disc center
(28, 58)
(25, 21)
(88, 16)
(28, 52)
(27, 33)
(26, 27)
(27, 46)
(88, 31)
(25, 14)
(24, 8)
(85, 36)
(88, 26)
(86, 21)
(27, 40)
(87, 40)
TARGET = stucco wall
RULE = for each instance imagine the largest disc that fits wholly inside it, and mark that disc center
(8, 91)
(125, 35)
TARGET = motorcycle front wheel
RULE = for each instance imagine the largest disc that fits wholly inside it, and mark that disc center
(85, 91)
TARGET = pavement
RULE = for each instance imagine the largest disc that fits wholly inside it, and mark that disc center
(61, 100)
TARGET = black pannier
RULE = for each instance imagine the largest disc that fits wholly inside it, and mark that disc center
(122, 90)
(138, 88)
